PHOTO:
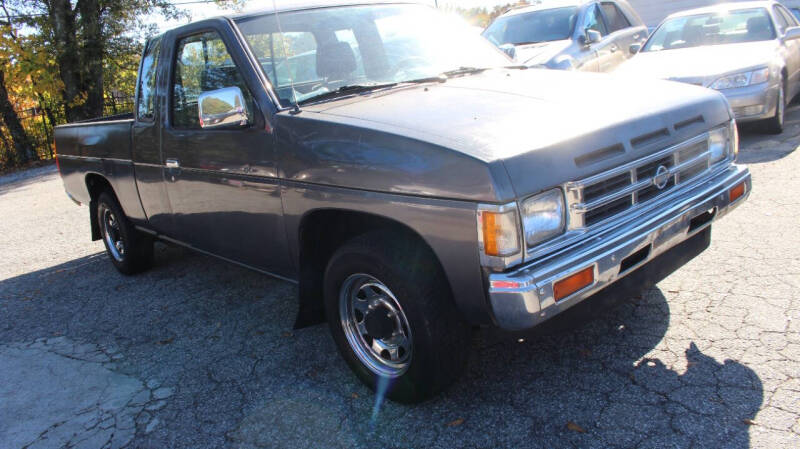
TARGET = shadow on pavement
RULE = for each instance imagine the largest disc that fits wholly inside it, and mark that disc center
(221, 336)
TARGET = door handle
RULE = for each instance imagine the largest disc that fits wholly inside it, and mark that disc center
(614, 48)
(173, 163)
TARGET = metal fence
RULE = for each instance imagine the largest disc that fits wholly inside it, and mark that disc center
(39, 122)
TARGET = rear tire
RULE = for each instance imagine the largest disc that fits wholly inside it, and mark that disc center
(774, 125)
(393, 318)
(130, 251)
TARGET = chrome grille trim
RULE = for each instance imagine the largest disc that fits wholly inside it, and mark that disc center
(578, 205)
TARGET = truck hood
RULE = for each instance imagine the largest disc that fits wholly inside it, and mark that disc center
(699, 65)
(542, 127)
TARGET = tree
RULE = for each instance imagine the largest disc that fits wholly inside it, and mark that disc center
(85, 39)
(22, 145)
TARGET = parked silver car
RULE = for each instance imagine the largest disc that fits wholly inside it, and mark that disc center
(749, 51)
(569, 34)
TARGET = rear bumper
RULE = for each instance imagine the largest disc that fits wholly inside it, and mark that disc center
(525, 297)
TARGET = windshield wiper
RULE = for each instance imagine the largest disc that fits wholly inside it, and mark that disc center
(343, 91)
(528, 43)
(464, 71)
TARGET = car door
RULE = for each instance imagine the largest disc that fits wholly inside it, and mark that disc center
(622, 31)
(792, 50)
(147, 143)
(221, 179)
(605, 49)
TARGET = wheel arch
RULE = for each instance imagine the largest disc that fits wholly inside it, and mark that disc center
(320, 233)
(95, 185)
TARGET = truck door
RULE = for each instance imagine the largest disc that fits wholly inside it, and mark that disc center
(221, 177)
(146, 141)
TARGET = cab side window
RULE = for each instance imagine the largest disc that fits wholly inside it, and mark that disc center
(202, 64)
(780, 20)
(791, 20)
(594, 20)
(616, 19)
(146, 101)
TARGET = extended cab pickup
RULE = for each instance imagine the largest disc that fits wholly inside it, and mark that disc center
(396, 167)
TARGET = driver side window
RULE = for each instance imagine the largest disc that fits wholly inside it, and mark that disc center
(594, 20)
(202, 64)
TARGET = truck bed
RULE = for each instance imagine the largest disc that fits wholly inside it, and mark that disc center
(97, 147)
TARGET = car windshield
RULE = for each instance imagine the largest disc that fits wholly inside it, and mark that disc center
(537, 26)
(731, 27)
(320, 52)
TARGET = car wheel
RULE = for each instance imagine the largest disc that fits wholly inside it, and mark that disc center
(774, 125)
(129, 250)
(393, 318)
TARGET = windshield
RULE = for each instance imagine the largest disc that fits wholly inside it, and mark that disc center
(731, 27)
(537, 26)
(326, 50)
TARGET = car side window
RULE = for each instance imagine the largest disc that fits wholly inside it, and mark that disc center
(791, 20)
(780, 20)
(594, 20)
(202, 63)
(145, 103)
(616, 19)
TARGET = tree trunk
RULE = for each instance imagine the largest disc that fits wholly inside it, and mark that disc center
(92, 53)
(22, 145)
(62, 18)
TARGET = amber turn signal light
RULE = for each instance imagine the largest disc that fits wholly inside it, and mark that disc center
(573, 283)
(736, 192)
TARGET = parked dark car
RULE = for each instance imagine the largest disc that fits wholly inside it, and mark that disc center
(413, 192)
(749, 51)
(569, 34)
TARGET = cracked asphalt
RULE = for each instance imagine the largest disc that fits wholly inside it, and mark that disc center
(197, 353)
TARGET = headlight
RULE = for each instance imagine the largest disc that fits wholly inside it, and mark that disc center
(543, 216)
(722, 142)
(742, 79)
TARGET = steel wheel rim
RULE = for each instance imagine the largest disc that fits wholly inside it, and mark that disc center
(360, 297)
(112, 234)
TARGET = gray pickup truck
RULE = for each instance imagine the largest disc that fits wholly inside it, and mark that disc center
(397, 168)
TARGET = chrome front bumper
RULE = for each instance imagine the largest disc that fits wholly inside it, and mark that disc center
(524, 297)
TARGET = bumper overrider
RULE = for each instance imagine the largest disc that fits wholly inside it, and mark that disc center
(526, 296)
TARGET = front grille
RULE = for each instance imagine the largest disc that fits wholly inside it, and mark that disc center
(602, 197)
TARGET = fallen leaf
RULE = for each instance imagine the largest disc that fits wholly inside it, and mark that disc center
(575, 428)
(455, 422)
(286, 334)
(354, 395)
(749, 422)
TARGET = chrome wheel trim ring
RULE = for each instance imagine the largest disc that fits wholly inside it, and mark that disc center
(360, 295)
(112, 234)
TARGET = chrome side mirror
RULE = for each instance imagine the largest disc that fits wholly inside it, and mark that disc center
(222, 108)
(634, 48)
(791, 34)
(509, 49)
(590, 37)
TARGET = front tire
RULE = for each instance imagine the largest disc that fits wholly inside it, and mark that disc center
(130, 251)
(393, 318)
(774, 125)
